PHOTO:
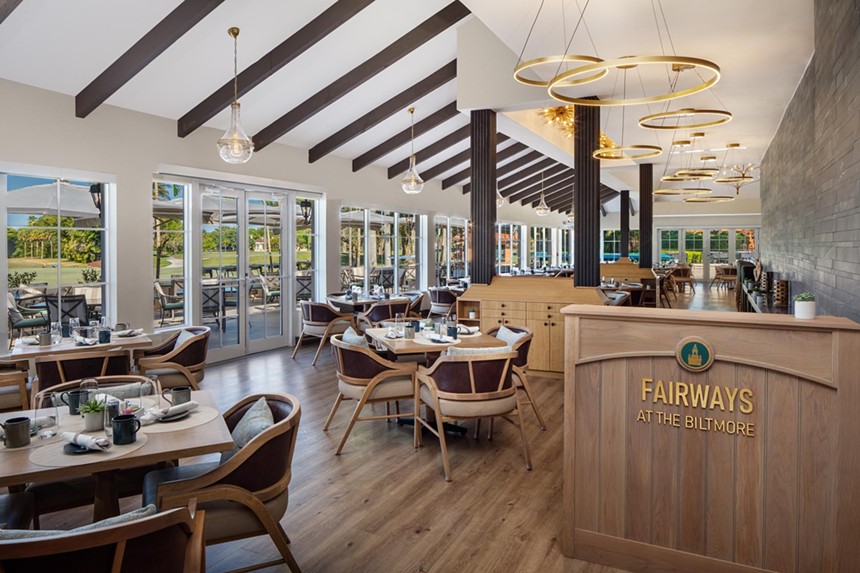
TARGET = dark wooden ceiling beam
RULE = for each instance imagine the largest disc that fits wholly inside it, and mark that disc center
(285, 52)
(431, 151)
(435, 119)
(150, 46)
(6, 8)
(511, 166)
(509, 182)
(466, 155)
(562, 185)
(514, 149)
(447, 165)
(424, 32)
(563, 203)
(514, 192)
(382, 112)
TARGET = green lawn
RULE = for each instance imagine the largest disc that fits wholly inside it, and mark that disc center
(70, 273)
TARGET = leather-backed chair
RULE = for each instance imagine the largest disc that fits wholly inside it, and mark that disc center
(520, 365)
(13, 384)
(342, 307)
(383, 311)
(467, 387)
(52, 496)
(322, 321)
(246, 495)
(184, 365)
(16, 510)
(366, 377)
(416, 302)
(619, 298)
(167, 542)
(56, 369)
(442, 302)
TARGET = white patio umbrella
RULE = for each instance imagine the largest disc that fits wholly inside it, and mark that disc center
(72, 201)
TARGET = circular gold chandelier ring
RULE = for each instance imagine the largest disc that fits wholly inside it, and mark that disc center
(683, 178)
(612, 153)
(557, 60)
(649, 121)
(566, 79)
(681, 191)
(735, 179)
(704, 172)
(709, 199)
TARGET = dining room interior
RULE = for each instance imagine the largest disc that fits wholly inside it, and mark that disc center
(430, 285)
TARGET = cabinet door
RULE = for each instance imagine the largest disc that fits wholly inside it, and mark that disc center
(556, 344)
(539, 353)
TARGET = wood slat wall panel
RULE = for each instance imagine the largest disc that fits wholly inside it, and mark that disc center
(613, 416)
(639, 444)
(693, 461)
(719, 518)
(847, 365)
(587, 448)
(780, 502)
(817, 445)
(749, 481)
(665, 515)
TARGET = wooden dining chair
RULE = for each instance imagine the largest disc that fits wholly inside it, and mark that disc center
(442, 302)
(321, 321)
(166, 542)
(382, 311)
(467, 387)
(520, 364)
(246, 495)
(14, 377)
(16, 510)
(184, 364)
(56, 369)
(367, 378)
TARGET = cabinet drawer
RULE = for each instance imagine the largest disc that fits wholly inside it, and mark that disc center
(488, 323)
(491, 305)
(506, 314)
(543, 315)
(544, 307)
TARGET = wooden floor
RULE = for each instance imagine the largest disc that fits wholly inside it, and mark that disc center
(383, 506)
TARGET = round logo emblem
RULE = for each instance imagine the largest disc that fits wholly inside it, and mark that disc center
(694, 354)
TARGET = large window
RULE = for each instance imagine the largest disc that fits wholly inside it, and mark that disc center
(168, 252)
(540, 247)
(719, 253)
(565, 257)
(669, 245)
(746, 245)
(55, 242)
(380, 248)
(451, 248)
(306, 248)
(693, 245)
(507, 247)
(612, 245)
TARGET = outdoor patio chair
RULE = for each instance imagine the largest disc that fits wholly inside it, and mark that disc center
(21, 318)
(169, 303)
(61, 309)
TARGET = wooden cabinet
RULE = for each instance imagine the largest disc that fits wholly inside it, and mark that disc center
(533, 302)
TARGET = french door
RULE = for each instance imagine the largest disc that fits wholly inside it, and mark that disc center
(243, 263)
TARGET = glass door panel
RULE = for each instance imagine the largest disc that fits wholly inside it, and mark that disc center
(264, 272)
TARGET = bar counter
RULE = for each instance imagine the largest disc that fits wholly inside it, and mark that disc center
(711, 442)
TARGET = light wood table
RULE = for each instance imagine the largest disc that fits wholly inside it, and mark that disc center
(26, 351)
(398, 346)
(208, 438)
(362, 301)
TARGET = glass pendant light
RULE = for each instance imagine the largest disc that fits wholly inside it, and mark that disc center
(235, 146)
(500, 200)
(542, 209)
(412, 183)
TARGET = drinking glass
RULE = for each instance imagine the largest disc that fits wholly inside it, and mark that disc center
(56, 332)
(399, 323)
(155, 398)
(91, 385)
(104, 323)
(112, 408)
(75, 326)
(48, 415)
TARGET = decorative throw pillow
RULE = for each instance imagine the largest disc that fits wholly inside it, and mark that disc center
(350, 336)
(456, 351)
(508, 336)
(20, 534)
(256, 419)
(183, 337)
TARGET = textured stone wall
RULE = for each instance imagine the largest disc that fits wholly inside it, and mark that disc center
(810, 176)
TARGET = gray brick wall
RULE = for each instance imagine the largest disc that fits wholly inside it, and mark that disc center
(810, 176)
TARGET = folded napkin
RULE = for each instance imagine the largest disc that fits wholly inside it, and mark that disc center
(34, 423)
(155, 414)
(92, 442)
(463, 329)
(392, 333)
(81, 341)
(438, 337)
(129, 332)
(29, 340)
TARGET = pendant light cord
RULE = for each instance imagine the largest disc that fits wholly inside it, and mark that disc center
(412, 132)
(236, 68)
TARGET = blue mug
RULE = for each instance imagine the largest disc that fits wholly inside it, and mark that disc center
(104, 336)
(125, 428)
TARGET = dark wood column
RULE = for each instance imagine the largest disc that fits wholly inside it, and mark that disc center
(646, 214)
(625, 223)
(483, 195)
(586, 196)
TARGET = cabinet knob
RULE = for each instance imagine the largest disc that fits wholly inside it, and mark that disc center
(552, 324)
(549, 316)
(544, 324)
(499, 321)
(549, 308)
(503, 314)
(503, 305)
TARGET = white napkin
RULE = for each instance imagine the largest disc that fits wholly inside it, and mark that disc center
(392, 333)
(29, 340)
(130, 332)
(438, 337)
(463, 329)
(155, 414)
(81, 341)
(91, 442)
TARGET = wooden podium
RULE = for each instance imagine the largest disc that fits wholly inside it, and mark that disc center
(711, 442)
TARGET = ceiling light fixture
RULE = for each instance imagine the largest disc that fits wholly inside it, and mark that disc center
(500, 200)
(542, 209)
(235, 146)
(412, 183)
(672, 120)
(709, 199)
(733, 171)
(562, 118)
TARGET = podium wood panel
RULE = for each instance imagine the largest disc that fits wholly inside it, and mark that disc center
(685, 491)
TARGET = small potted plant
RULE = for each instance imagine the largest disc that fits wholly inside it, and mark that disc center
(804, 305)
(93, 412)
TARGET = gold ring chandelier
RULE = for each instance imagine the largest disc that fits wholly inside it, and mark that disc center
(682, 191)
(709, 199)
(709, 118)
